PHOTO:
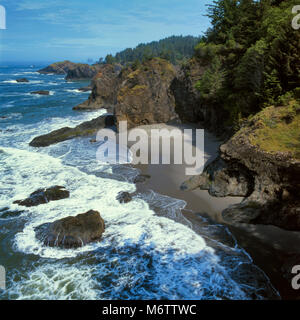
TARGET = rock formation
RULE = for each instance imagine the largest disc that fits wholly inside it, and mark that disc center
(188, 103)
(73, 71)
(104, 89)
(262, 163)
(139, 95)
(72, 232)
(58, 67)
(41, 92)
(22, 80)
(83, 71)
(124, 197)
(44, 196)
(84, 129)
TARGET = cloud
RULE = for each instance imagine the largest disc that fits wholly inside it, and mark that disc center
(36, 5)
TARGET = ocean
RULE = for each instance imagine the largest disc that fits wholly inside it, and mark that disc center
(148, 251)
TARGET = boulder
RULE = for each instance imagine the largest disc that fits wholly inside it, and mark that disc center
(72, 232)
(41, 196)
(222, 180)
(124, 197)
(41, 92)
(22, 80)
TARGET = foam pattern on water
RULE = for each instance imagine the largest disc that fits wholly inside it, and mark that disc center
(142, 254)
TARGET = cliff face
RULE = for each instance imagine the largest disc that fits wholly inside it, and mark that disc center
(140, 96)
(104, 85)
(82, 71)
(262, 163)
(144, 95)
(188, 99)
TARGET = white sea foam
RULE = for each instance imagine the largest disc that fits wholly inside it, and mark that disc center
(77, 91)
(142, 255)
(30, 82)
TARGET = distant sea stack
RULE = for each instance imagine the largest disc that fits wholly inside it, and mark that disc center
(73, 71)
(58, 67)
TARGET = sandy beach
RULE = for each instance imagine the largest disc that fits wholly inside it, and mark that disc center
(266, 244)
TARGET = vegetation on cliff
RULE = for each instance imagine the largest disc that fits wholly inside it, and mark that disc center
(278, 129)
(250, 55)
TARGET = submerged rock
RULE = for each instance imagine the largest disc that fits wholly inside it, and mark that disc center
(85, 89)
(6, 213)
(141, 178)
(72, 232)
(41, 92)
(84, 129)
(124, 197)
(22, 80)
(44, 196)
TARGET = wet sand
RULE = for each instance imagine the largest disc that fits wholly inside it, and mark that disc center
(267, 245)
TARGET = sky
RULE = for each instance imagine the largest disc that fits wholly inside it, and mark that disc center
(78, 30)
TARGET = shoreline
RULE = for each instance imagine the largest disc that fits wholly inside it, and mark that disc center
(266, 244)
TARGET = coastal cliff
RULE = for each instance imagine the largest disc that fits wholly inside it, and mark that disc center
(261, 162)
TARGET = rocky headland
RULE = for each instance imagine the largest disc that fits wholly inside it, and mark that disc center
(261, 162)
(73, 71)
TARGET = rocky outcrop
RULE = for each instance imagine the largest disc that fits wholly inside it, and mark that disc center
(41, 92)
(140, 95)
(84, 129)
(44, 196)
(22, 80)
(144, 95)
(262, 163)
(222, 179)
(85, 89)
(104, 89)
(73, 71)
(72, 232)
(58, 67)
